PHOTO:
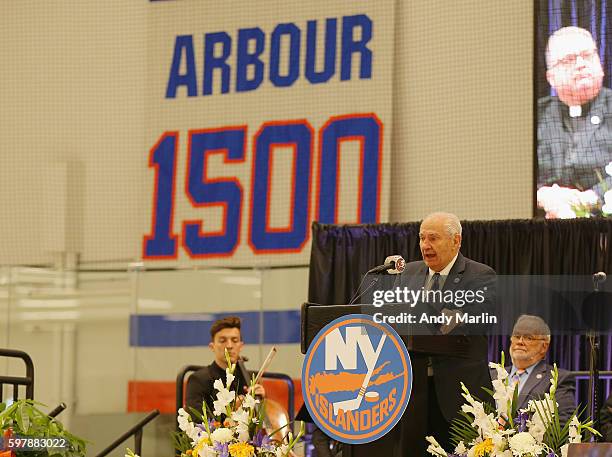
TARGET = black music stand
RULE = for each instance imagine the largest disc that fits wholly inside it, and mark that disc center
(597, 317)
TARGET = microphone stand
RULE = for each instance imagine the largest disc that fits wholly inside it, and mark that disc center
(594, 343)
(369, 286)
(594, 346)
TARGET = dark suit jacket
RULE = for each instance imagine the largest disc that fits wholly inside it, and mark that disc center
(538, 383)
(471, 369)
(606, 420)
(200, 387)
(570, 158)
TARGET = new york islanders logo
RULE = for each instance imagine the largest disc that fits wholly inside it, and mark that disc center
(356, 379)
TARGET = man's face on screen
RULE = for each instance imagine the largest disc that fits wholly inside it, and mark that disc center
(575, 70)
(437, 247)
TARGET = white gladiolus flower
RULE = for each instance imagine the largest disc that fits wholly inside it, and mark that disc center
(485, 423)
(506, 453)
(434, 447)
(543, 410)
(502, 374)
(503, 395)
(573, 431)
(249, 401)
(243, 431)
(218, 385)
(564, 450)
(523, 443)
(221, 435)
(183, 418)
(460, 449)
(607, 207)
(609, 169)
(281, 451)
(193, 432)
(536, 429)
(500, 442)
(240, 416)
(185, 424)
(207, 451)
(229, 377)
(224, 398)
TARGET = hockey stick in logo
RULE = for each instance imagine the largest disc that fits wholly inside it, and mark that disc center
(353, 404)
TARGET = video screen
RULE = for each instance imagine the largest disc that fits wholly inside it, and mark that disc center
(573, 75)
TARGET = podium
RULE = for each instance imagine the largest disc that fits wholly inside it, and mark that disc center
(407, 438)
(590, 450)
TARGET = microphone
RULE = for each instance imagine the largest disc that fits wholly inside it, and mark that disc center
(599, 278)
(394, 264)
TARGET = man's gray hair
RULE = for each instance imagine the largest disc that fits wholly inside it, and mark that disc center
(528, 324)
(564, 31)
(452, 225)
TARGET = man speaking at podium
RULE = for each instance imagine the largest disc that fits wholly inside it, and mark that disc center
(444, 268)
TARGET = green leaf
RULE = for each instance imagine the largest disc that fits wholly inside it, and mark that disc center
(461, 429)
(26, 419)
(180, 441)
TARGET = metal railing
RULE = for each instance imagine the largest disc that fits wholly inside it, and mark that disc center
(16, 381)
(136, 430)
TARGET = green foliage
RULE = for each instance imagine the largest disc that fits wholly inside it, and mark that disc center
(180, 442)
(461, 429)
(27, 421)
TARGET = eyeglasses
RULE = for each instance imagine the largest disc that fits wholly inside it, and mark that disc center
(570, 59)
(526, 338)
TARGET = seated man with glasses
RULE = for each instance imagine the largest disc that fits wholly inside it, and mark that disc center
(528, 347)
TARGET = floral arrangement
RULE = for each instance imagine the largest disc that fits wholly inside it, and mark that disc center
(235, 430)
(568, 203)
(27, 431)
(503, 431)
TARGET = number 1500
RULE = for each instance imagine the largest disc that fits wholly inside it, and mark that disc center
(227, 192)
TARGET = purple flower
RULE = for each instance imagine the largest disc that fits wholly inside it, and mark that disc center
(551, 454)
(262, 440)
(221, 448)
(201, 427)
(521, 422)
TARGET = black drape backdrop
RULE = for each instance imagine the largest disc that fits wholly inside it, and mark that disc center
(341, 254)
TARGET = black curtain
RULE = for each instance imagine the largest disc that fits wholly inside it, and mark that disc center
(341, 254)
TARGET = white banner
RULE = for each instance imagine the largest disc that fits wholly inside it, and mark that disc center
(262, 117)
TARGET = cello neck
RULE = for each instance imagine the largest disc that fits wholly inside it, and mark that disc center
(244, 373)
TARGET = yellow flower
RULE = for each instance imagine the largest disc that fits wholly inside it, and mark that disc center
(198, 447)
(484, 448)
(241, 450)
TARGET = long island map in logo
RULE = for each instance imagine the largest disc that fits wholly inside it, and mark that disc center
(356, 379)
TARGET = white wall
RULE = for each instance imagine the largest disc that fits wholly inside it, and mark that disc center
(463, 124)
